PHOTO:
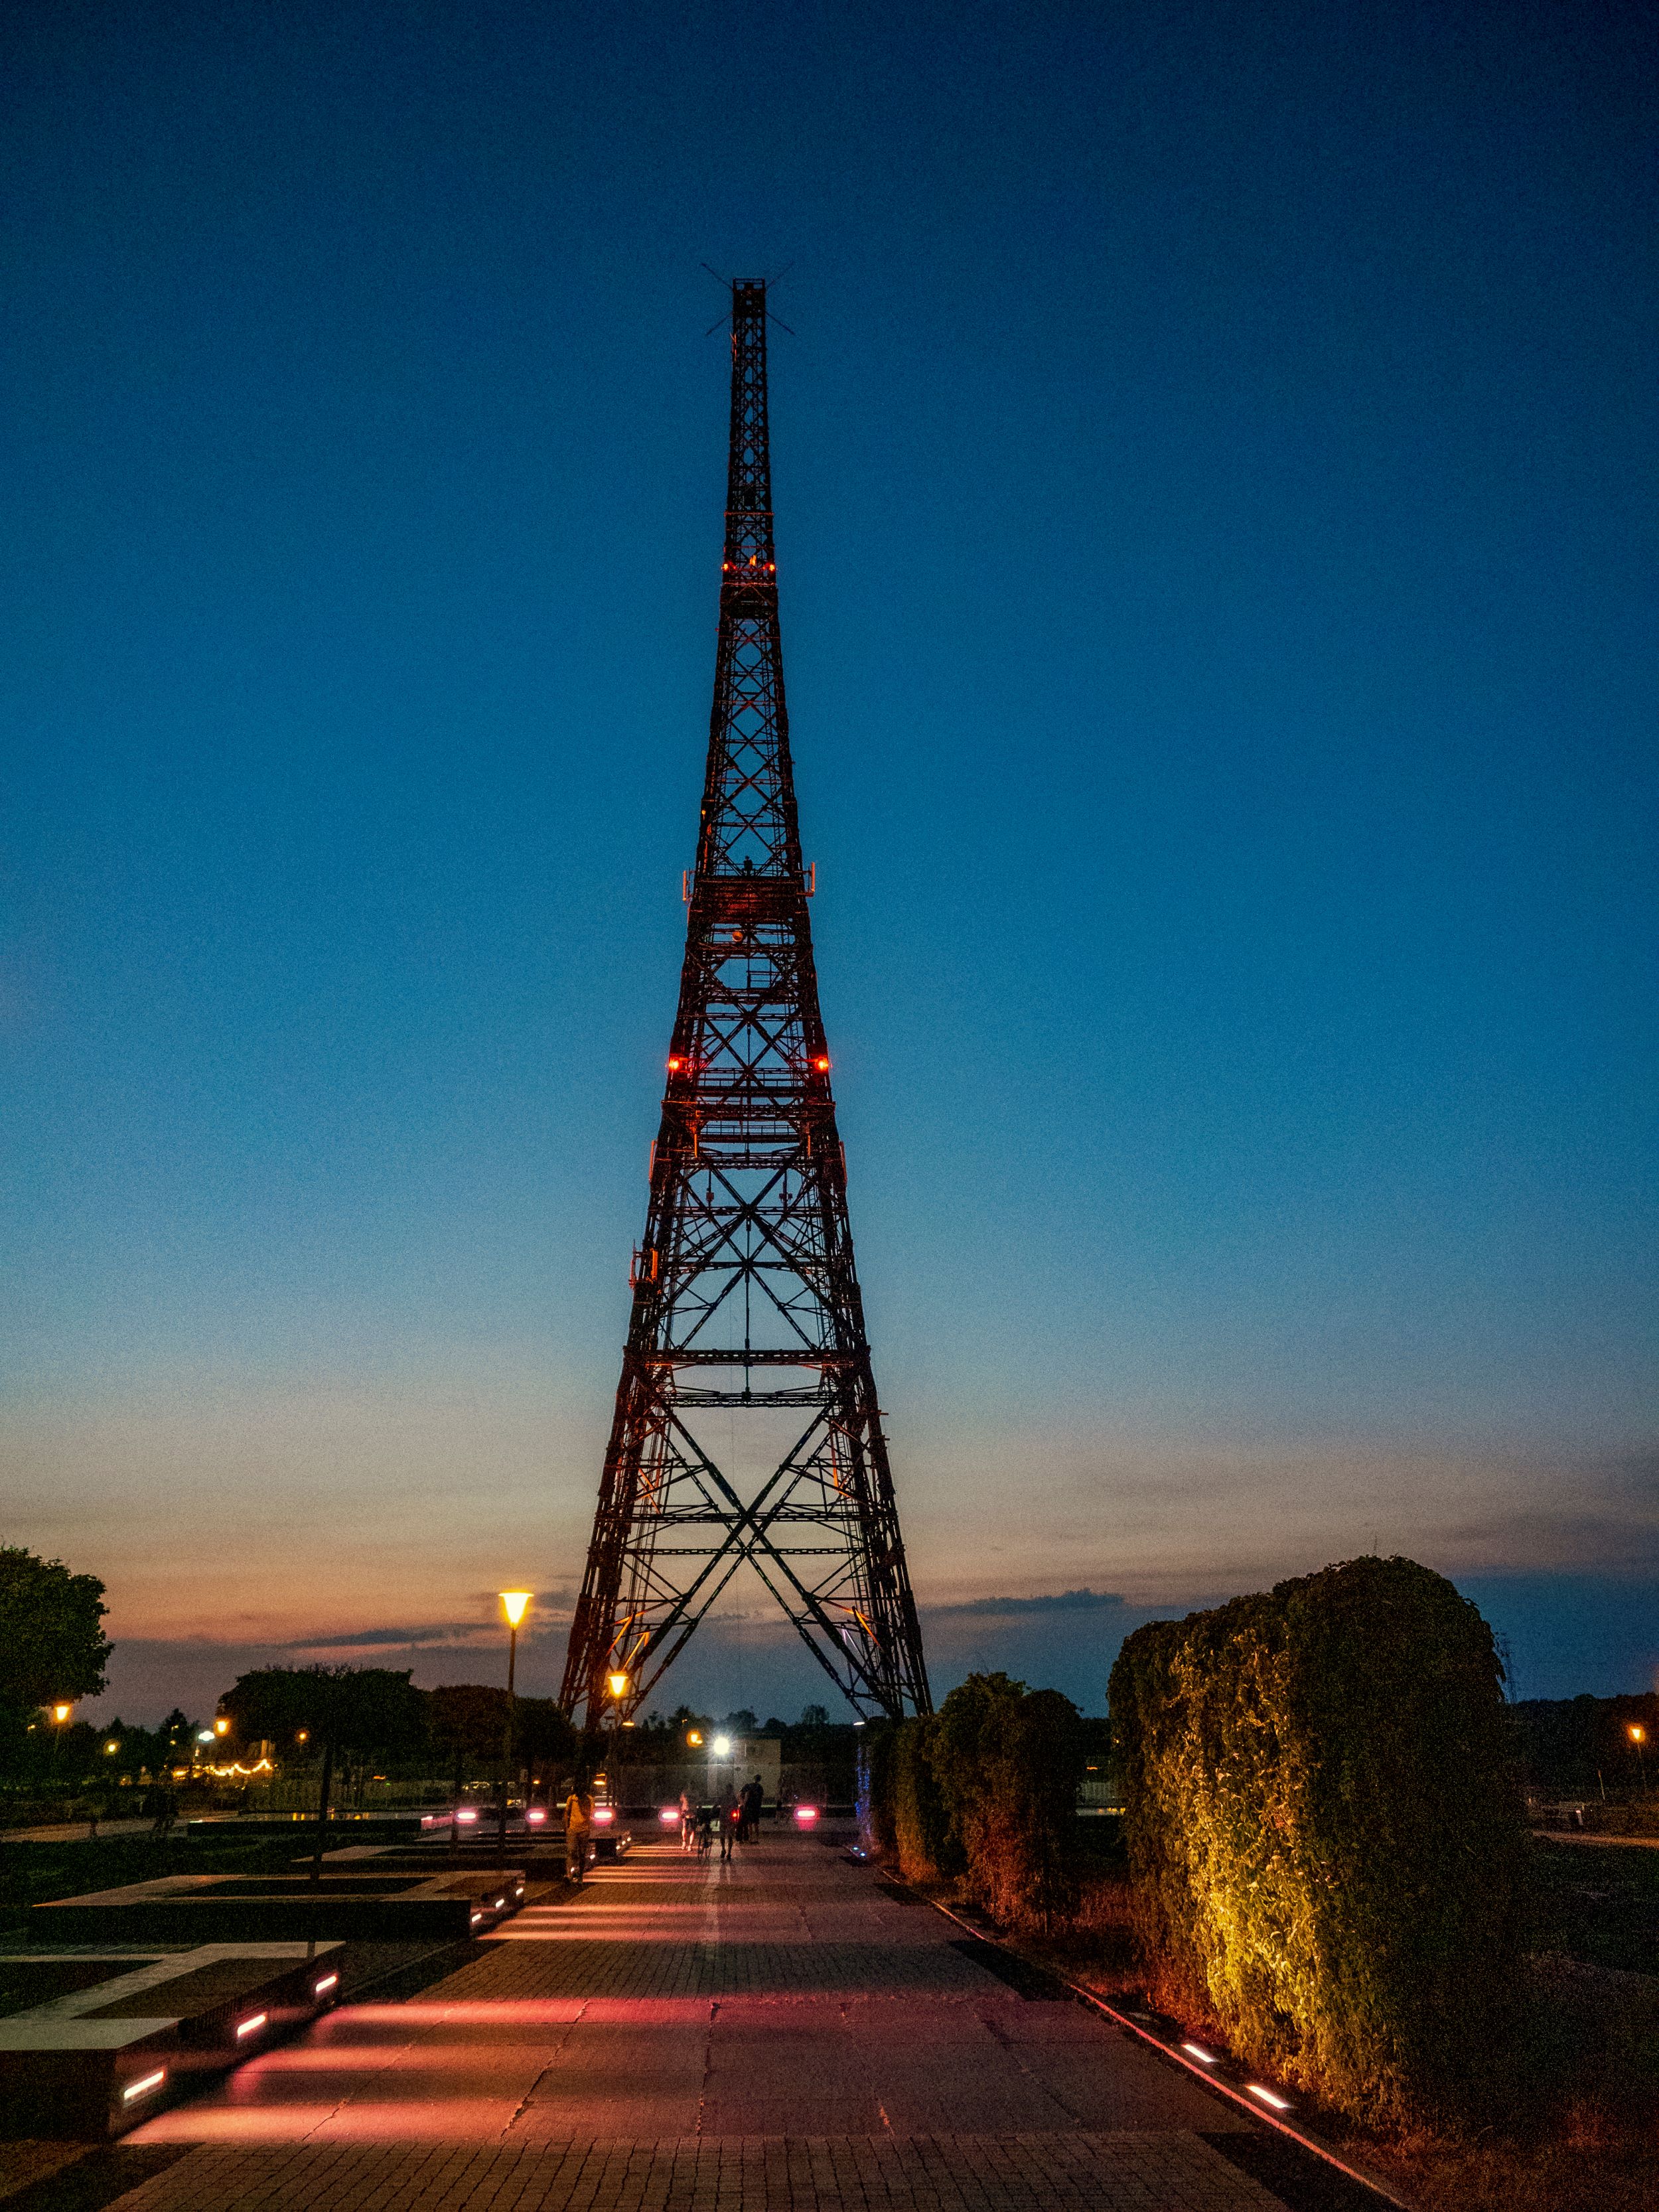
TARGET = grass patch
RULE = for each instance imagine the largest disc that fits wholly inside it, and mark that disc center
(34, 1873)
(1598, 1905)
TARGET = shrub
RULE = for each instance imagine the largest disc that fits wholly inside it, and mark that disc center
(875, 1786)
(1325, 1834)
(1007, 1761)
(922, 1838)
(985, 1792)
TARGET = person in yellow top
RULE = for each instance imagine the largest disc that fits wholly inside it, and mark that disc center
(578, 1824)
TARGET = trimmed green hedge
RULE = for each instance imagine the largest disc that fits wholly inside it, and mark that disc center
(927, 1848)
(984, 1793)
(1325, 1834)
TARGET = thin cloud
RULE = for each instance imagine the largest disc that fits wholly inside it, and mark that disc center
(1072, 1600)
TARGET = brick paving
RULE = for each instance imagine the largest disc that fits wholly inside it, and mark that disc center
(684, 2037)
(1149, 2171)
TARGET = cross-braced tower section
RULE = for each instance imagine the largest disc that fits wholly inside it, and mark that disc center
(746, 1426)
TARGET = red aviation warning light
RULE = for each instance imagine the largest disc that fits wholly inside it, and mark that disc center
(674, 1063)
(822, 1063)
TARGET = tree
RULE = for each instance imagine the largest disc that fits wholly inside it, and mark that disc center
(815, 1716)
(52, 1645)
(546, 1740)
(466, 1719)
(363, 1709)
(741, 1723)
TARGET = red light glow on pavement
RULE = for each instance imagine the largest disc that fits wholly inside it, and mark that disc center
(675, 1999)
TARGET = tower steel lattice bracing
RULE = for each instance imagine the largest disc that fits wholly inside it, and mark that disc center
(746, 1427)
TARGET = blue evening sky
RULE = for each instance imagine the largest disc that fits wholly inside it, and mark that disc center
(1215, 460)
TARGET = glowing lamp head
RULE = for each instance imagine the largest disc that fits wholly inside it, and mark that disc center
(721, 1747)
(515, 1604)
(204, 1735)
(110, 1749)
(1637, 1734)
(617, 1684)
(221, 1726)
(61, 1713)
(694, 1737)
(303, 1737)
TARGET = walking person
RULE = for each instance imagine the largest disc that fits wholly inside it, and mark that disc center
(688, 1822)
(578, 1826)
(754, 1802)
(727, 1810)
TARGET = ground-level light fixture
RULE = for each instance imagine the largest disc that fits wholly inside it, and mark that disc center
(1268, 2097)
(515, 1604)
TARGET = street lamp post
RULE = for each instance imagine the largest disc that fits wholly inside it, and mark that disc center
(1638, 1736)
(514, 1604)
(618, 1685)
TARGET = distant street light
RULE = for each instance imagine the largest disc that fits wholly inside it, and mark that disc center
(61, 1713)
(1638, 1736)
(514, 1604)
(617, 1685)
(723, 1747)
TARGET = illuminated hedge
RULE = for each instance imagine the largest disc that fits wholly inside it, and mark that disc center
(926, 1848)
(984, 1792)
(1325, 1834)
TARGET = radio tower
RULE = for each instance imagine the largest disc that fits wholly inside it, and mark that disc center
(745, 1295)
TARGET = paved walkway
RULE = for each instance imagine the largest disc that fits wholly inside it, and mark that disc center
(782, 2033)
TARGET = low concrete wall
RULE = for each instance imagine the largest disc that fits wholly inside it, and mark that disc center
(89, 2064)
